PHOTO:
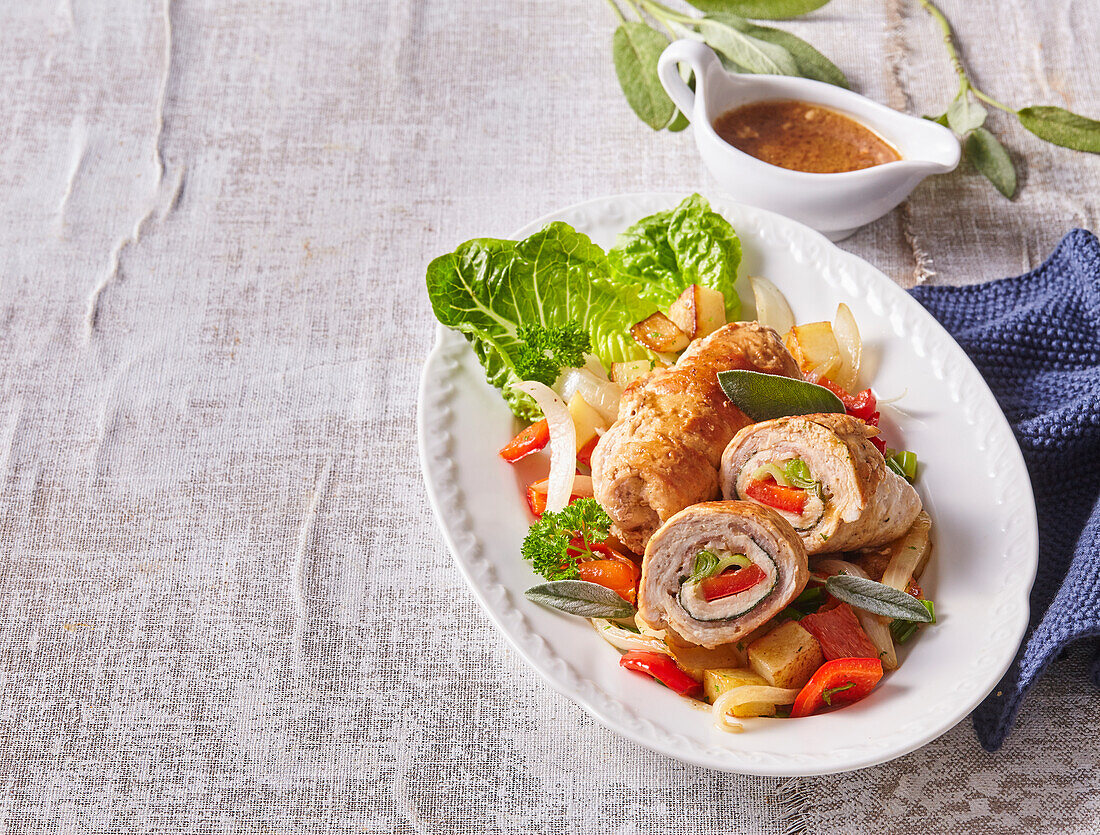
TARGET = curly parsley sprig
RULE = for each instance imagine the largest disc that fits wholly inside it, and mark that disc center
(550, 540)
(547, 350)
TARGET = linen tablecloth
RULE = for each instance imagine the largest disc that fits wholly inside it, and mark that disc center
(224, 603)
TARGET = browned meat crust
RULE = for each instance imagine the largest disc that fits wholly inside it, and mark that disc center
(663, 452)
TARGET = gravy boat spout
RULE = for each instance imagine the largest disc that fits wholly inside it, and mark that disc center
(834, 204)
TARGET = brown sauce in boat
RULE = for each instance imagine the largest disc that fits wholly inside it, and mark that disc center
(803, 137)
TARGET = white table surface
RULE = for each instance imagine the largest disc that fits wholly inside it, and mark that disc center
(224, 604)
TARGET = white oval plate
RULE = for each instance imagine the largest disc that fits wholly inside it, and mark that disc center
(972, 480)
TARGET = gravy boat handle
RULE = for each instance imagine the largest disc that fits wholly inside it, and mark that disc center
(696, 55)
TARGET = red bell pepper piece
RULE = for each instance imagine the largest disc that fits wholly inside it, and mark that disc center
(532, 439)
(616, 573)
(840, 634)
(536, 496)
(863, 406)
(584, 454)
(731, 582)
(662, 668)
(790, 499)
(840, 681)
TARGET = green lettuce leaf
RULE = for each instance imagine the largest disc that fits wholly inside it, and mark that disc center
(488, 288)
(660, 255)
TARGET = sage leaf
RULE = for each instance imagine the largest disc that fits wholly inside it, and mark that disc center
(965, 115)
(992, 160)
(767, 396)
(635, 48)
(754, 55)
(877, 598)
(1062, 127)
(577, 597)
(810, 62)
(760, 9)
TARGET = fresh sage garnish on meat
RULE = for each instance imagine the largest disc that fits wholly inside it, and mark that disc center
(577, 597)
(877, 598)
(767, 396)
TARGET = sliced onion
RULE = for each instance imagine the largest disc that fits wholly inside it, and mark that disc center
(594, 364)
(851, 347)
(909, 551)
(563, 443)
(877, 629)
(743, 695)
(771, 305)
(624, 639)
(601, 395)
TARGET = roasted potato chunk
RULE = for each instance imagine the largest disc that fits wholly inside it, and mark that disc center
(586, 420)
(699, 311)
(815, 348)
(625, 373)
(787, 656)
(659, 333)
(717, 682)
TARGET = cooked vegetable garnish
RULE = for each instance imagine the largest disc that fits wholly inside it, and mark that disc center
(550, 540)
(902, 462)
(840, 633)
(766, 396)
(532, 439)
(903, 630)
(662, 668)
(843, 680)
(617, 573)
(576, 597)
(877, 598)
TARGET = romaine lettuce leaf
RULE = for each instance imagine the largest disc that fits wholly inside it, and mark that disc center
(487, 288)
(660, 255)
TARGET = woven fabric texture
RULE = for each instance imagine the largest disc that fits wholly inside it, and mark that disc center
(224, 603)
(1036, 340)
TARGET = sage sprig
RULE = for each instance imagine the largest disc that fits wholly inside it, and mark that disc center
(727, 27)
(966, 116)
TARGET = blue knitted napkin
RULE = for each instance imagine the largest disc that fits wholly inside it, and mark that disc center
(1036, 340)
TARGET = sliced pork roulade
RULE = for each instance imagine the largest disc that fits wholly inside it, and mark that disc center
(662, 453)
(824, 476)
(716, 571)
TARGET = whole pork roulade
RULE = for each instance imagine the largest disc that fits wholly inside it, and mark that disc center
(753, 565)
(663, 452)
(844, 496)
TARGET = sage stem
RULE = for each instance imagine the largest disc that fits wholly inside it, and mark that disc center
(949, 42)
(618, 11)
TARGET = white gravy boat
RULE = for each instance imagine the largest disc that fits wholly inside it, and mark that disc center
(834, 204)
